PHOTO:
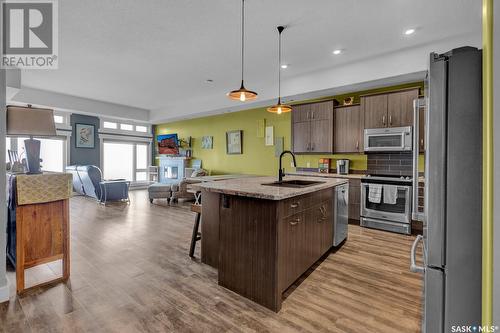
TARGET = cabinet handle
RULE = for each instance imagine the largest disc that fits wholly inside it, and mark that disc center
(422, 143)
(390, 120)
(312, 114)
(294, 205)
(357, 145)
(383, 120)
(308, 145)
(308, 115)
(323, 211)
(295, 222)
(312, 146)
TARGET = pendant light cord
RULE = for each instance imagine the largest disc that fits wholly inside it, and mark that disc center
(279, 67)
(242, 39)
(280, 30)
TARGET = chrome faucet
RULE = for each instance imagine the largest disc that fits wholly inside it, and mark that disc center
(281, 172)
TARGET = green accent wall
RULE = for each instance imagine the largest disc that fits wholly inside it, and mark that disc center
(257, 158)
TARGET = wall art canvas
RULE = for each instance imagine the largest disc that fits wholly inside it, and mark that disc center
(234, 142)
(207, 142)
(168, 144)
(84, 136)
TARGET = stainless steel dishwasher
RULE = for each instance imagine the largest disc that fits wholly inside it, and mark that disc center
(341, 213)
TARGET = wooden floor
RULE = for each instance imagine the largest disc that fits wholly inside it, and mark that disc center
(131, 273)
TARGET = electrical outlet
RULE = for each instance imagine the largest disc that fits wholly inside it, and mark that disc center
(308, 164)
(291, 165)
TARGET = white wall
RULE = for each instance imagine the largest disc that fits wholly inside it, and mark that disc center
(496, 101)
(79, 105)
(4, 289)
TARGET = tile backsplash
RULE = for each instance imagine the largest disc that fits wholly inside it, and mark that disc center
(396, 164)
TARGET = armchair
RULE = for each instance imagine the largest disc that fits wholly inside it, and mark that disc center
(182, 189)
(87, 180)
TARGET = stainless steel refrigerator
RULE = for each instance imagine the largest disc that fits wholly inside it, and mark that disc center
(452, 207)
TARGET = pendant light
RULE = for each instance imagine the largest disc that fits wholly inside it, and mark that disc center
(279, 108)
(242, 94)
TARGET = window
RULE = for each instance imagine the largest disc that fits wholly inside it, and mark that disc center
(126, 127)
(142, 129)
(52, 153)
(125, 160)
(117, 160)
(109, 124)
(141, 161)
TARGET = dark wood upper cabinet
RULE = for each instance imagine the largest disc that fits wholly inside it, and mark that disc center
(301, 112)
(375, 110)
(393, 109)
(323, 128)
(400, 108)
(301, 137)
(312, 128)
(348, 129)
(321, 110)
(321, 136)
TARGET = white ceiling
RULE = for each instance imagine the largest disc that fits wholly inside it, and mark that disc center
(157, 54)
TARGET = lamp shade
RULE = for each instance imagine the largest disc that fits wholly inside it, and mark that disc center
(30, 121)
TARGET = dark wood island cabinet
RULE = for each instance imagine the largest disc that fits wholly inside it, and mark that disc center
(261, 245)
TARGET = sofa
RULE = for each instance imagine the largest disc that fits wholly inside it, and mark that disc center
(87, 180)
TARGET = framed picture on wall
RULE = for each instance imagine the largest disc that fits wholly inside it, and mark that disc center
(84, 136)
(234, 142)
(207, 142)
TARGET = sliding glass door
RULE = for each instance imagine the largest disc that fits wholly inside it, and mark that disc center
(125, 160)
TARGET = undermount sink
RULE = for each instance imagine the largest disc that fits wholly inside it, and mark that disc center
(294, 183)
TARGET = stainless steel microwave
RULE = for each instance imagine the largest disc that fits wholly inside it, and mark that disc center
(388, 139)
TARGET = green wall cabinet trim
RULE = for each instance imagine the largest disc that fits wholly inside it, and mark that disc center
(257, 158)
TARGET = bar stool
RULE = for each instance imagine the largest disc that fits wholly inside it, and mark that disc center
(196, 236)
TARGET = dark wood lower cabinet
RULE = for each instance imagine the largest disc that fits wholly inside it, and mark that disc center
(265, 245)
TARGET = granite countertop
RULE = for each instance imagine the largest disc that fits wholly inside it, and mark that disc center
(217, 177)
(252, 187)
(326, 175)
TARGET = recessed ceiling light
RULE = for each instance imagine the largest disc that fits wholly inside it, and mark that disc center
(284, 66)
(337, 52)
(409, 31)
(209, 81)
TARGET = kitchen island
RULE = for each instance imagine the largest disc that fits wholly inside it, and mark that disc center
(262, 236)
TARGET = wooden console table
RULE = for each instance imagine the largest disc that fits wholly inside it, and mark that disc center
(38, 226)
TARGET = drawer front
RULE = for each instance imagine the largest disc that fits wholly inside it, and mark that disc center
(295, 205)
(298, 204)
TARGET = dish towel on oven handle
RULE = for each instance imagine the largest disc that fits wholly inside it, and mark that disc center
(374, 193)
(390, 194)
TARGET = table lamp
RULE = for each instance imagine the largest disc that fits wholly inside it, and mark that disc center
(33, 122)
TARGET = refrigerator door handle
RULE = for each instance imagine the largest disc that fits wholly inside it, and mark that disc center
(413, 265)
(416, 149)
